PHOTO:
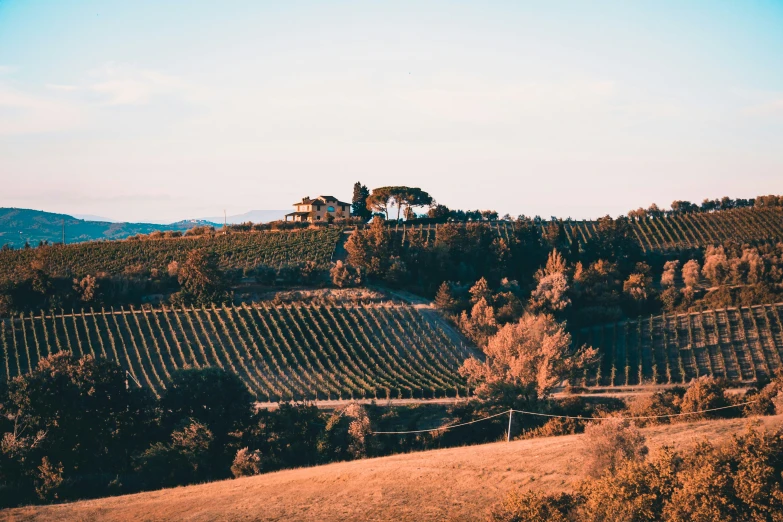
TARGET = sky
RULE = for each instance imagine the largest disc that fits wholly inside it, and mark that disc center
(160, 111)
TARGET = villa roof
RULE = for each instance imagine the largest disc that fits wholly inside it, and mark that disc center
(320, 200)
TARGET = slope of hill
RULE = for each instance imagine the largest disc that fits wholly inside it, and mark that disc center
(235, 250)
(450, 484)
(18, 225)
(295, 351)
(668, 232)
(739, 344)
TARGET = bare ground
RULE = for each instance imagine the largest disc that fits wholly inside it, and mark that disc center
(450, 484)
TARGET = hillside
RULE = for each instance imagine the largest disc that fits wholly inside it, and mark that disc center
(18, 225)
(740, 344)
(235, 250)
(449, 484)
(686, 230)
(295, 351)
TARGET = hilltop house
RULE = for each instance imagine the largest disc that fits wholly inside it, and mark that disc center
(317, 209)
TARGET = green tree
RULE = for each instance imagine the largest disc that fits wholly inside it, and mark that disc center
(533, 355)
(90, 420)
(402, 197)
(359, 202)
(201, 279)
(212, 396)
(444, 299)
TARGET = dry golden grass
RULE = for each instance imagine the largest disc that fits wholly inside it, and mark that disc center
(449, 484)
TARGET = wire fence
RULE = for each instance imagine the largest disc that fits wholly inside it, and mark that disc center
(511, 411)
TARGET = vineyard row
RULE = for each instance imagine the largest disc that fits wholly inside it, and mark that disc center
(287, 352)
(235, 250)
(738, 344)
(675, 231)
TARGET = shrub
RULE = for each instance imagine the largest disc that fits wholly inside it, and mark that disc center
(635, 491)
(246, 463)
(659, 403)
(48, 480)
(702, 394)
(346, 435)
(555, 427)
(185, 460)
(344, 275)
(531, 506)
(769, 399)
(610, 442)
(738, 482)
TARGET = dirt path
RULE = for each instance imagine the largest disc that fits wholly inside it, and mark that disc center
(427, 309)
(340, 253)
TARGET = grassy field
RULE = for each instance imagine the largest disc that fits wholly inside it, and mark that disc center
(450, 484)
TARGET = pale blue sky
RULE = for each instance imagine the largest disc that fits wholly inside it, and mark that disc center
(151, 110)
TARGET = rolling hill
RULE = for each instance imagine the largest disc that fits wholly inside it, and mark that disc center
(739, 344)
(295, 351)
(235, 250)
(19, 225)
(450, 484)
(668, 232)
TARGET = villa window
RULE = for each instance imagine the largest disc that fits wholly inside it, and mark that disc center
(330, 209)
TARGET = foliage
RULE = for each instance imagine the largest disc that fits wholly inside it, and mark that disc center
(704, 393)
(184, 460)
(344, 275)
(610, 442)
(346, 435)
(531, 506)
(656, 404)
(212, 397)
(201, 280)
(246, 463)
(534, 355)
(359, 202)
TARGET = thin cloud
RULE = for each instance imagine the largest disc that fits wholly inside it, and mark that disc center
(129, 85)
(62, 87)
(769, 108)
(23, 113)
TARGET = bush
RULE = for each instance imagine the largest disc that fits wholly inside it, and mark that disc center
(532, 506)
(186, 459)
(769, 399)
(344, 275)
(659, 403)
(555, 427)
(705, 393)
(741, 481)
(48, 481)
(246, 463)
(635, 491)
(610, 442)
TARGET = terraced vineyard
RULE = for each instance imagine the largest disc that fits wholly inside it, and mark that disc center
(739, 344)
(236, 250)
(669, 232)
(297, 351)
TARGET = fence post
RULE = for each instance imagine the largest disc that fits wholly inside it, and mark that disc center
(510, 413)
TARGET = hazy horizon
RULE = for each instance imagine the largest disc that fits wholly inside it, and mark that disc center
(147, 112)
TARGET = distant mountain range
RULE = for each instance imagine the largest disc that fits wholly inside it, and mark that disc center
(254, 216)
(18, 225)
